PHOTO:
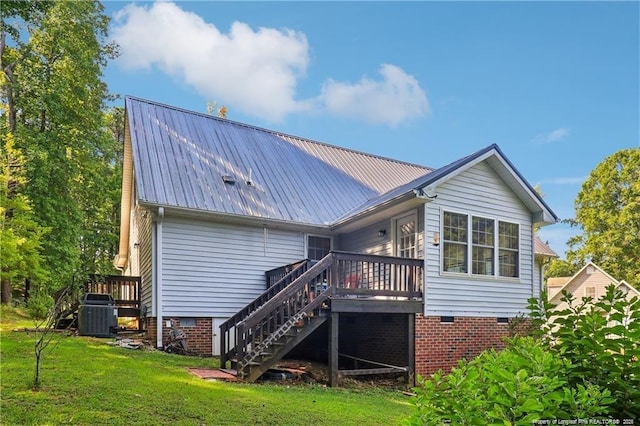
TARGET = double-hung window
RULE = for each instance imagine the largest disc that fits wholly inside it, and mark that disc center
(479, 245)
(482, 246)
(455, 237)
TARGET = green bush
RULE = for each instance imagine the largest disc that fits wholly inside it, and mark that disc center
(518, 385)
(39, 305)
(600, 341)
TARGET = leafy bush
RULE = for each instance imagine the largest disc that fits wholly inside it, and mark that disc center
(39, 305)
(518, 385)
(600, 341)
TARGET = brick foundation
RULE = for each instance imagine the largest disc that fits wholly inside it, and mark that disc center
(439, 345)
(198, 336)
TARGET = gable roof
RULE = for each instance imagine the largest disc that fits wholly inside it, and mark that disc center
(197, 162)
(425, 186)
(629, 287)
(577, 274)
(203, 163)
(557, 281)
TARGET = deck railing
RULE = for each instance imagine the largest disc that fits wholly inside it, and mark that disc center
(274, 276)
(377, 276)
(338, 275)
(228, 330)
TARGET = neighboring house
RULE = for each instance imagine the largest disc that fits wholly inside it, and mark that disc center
(258, 243)
(590, 281)
(543, 255)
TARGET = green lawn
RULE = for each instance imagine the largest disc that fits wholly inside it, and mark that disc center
(86, 381)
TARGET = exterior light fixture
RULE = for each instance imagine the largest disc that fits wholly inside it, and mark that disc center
(382, 233)
(436, 239)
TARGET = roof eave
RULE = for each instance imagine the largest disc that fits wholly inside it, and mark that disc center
(236, 218)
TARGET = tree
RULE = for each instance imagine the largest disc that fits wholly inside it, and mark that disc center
(608, 212)
(560, 268)
(20, 234)
(52, 57)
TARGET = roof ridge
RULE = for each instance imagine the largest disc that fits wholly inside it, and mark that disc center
(278, 133)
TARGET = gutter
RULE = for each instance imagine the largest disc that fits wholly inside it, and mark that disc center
(158, 277)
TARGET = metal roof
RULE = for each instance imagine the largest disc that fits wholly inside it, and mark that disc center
(540, 248)
(497, 160)
(200, 162)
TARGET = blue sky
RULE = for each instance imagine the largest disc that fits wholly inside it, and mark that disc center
(554, 84)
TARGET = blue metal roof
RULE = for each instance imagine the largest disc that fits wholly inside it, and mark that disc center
(195, 161)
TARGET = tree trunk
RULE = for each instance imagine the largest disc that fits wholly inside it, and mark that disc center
(27, 289)
(6, 292)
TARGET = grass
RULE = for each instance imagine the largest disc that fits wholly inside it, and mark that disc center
(87, 381)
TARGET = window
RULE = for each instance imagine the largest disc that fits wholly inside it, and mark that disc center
(486, 256)
(590, 292)
(454, 237)
(509, 245)
(318, 247)
(482, 246)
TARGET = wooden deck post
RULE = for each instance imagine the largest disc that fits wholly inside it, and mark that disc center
(333, 349)
(411, 351)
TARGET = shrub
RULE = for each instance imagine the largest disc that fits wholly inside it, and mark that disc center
(600, 341)
(39, 305)
(518, 385)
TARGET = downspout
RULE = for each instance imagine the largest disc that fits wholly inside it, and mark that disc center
(159, 319)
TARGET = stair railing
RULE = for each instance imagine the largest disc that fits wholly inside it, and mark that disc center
(228, 328)
(280, 313)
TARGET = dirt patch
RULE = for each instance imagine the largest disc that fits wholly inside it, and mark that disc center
(304, 372)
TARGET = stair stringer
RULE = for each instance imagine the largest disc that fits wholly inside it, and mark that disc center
(284, 345)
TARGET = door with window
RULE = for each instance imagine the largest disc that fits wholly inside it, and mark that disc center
(407, 236)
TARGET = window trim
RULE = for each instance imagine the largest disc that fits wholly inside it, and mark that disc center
(496, 261)
(306, 243)
(394, 231)
(595, 293)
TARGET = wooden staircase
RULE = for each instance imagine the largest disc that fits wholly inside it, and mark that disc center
(271, 350)
(295, 305)
(277, 321)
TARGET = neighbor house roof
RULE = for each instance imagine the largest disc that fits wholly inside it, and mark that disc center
(557, 281)
(541, 249)
(574, 277)
(630, 288)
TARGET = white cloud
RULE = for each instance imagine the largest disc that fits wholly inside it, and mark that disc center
(552, 136)
(255, 72)
(395, 98)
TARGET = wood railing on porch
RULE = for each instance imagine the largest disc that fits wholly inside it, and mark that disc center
(338, 275)
(228, 328)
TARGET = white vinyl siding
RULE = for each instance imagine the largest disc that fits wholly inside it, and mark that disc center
(368, 241)
(538, 276)
(214, 269)
(145, 254)
(140, 253)
(479, 192)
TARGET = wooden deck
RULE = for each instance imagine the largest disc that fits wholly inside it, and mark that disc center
(302, 296)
